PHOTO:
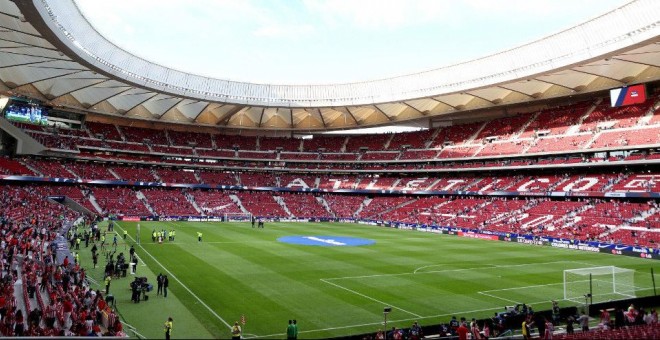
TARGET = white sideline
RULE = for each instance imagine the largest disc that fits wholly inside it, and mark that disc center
(370, 298)
(181, 283)
(523, 287)
(497, 297)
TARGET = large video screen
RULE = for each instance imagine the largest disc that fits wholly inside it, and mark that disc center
(27, 113)
(634, 94)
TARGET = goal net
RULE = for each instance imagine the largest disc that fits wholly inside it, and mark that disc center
(238, 217)
(603, 283)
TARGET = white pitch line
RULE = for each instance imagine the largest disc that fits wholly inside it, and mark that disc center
(522, 287)
(204, 242)
(182, 284)
(369, 297)
(497, 297)
(491, 266)
(429, 266)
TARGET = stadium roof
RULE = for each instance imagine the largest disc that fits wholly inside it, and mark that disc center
(48, 50)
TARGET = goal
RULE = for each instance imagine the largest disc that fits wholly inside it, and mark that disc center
(238, 217)
(603, 283)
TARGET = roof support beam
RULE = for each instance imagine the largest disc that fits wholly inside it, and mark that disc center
(598, 75)
(111, 96)
(171, 107)
(412, 107)
(352, 115)
(516, 91)
(26, 44)
(49, 78)
(204, 109)
(9, 15)
(58, 68)
(140, 103)
(80, 88)
(229, 114)
(26, 64)
(322, 119)
(291, 116)
(480, 97)
(261, 117)
(383, 113)
(34, 55)
(635, 62)
(442, 102)
(555, 84)
(22, 32)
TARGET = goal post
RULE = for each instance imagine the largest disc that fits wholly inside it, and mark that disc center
(603, 283)
(238, 217)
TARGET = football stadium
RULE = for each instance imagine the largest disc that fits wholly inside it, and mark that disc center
(143, 201)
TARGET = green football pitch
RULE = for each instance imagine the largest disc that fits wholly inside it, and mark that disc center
(336, 290)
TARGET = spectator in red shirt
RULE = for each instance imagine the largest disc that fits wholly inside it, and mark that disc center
(462, 330)
(67, 308)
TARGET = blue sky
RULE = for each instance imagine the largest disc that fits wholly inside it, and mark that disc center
(328, 41)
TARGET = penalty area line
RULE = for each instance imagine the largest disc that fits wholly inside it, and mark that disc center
(181, 283)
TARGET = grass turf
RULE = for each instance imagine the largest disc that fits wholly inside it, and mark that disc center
(334, 291)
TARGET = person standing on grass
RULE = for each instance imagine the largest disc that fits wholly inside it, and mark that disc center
(166, 283)
(295, 329)
(103, 242)
(290, 331)
(159, 281)
(108, 279)
(199, 237)
(168, 328)
(137, 233)
(236, 331)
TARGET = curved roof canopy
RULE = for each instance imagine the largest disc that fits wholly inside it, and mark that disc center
(48, 50)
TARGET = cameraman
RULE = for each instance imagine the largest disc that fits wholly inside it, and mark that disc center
(136, 288)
